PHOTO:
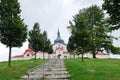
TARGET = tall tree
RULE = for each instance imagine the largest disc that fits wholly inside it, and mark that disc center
(47, 47)
(35, 39)
(113, 9)
(80, 33)
(50, 50)
(96, 23)
(89, 28)
(13, 32)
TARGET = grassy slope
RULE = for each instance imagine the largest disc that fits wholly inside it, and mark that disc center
(18, 69)
(94, 69)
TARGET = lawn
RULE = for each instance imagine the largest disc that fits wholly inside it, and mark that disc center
(18, 69)
(93, 69)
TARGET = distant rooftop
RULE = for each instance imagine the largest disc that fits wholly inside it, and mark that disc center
(58, 39)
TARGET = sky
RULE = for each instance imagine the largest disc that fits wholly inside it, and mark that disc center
(51, 15)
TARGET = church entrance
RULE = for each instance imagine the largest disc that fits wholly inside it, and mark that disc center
(59, 55)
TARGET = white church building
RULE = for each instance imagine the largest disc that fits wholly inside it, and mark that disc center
(59, 47)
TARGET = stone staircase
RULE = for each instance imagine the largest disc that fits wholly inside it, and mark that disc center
(54, 69)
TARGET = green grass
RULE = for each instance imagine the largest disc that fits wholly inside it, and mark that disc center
(94, 69)
(18, 69)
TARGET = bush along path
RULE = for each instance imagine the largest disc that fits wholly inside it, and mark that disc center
(54, 69)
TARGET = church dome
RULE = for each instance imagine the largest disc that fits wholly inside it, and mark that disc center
(58, 39)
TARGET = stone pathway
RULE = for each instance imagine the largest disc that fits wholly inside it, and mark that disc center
(54, 69)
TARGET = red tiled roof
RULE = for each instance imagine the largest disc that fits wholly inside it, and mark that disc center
(29, 51)
(18, 56)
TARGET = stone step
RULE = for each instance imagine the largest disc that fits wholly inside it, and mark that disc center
(51, 77)
(31, 77)
(59, 74)
(53, 70)
(57, 77)
(56, 72)
(58, 69)
(49, 72)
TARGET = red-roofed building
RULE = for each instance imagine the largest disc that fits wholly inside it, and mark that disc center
(18, 56)
(29, 54)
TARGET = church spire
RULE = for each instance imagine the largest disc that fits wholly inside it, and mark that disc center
(58, 34)
(58, 39)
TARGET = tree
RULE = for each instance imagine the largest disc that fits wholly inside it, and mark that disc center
(50, 50)
(89, 29)
(47, 47)
(71, 46)
(13, 32)
(113, 9)
(115, 50)
(79, 33)
(98, 29)
(35, 39)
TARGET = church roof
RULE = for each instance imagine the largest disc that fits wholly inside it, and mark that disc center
(29, 51)
(58, 39)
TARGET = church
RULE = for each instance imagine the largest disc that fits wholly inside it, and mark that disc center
(59, 47)
(59, 51)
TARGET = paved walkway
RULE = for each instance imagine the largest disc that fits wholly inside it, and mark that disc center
(54, 69)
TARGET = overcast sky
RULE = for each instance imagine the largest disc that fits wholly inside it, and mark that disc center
(51, 15)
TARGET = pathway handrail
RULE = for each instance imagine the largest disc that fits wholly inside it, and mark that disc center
(28, 72)
(43, 65)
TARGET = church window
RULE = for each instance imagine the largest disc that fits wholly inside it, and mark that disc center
(28, 55)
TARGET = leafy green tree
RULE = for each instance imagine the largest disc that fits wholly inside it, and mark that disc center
(89, 29)
(115, 50)
(50, 50)
(97, 28)
(80, 33)
(71, 46)
(113, 9)
(111, 48)
(35, 39)
(13, 32)
(47, 47)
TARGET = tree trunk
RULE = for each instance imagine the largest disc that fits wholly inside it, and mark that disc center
(74, 55)
(70, 55)
(35, 55)
(94, 55)
(82, 56)
(43, 56)
(9, 61)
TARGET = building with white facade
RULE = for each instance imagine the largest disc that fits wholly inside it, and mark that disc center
(59, 47)
(29, 54)
(59, 51)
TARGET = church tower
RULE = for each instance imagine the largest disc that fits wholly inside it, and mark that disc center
(59, 47)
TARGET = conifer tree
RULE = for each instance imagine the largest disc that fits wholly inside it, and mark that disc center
(36, 39)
